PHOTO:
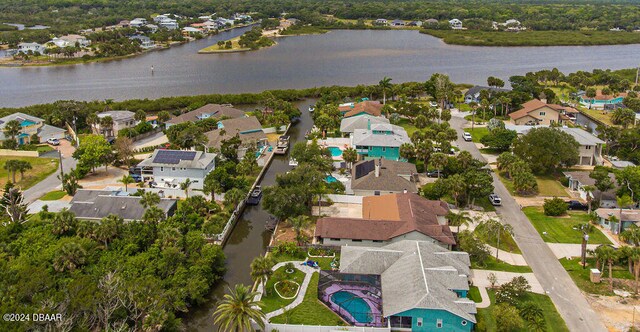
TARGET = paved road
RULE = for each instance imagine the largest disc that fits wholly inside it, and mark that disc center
(566, 296)
(49, 184)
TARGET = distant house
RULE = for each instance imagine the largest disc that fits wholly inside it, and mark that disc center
(579, 179)
(169, 168)
(381, 21)
(151, 27)
(537, 112)
(590, 150)
(473, 94)
(349, 125)
(33, 47)
(360, 108)
(423, 287)
(415, 24)
(622, 221)
(455, 24)
(621, 164)
(124, 24)
(601, 101)
(380, 141)
(387, 219)
(145, 42)
(217, 111)
(169, 24)
(397, 23)
(121, 120)
(70, 41)
(191, 31)
(98, 204)
(431, 22)
(137, 22)
(382, 176)
(248, 129)
(509, 25)
(30, 126)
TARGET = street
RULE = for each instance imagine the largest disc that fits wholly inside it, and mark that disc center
(568, 299)
(52, 182)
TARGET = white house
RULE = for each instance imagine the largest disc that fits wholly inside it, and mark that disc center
(455, 24)
(169, 168)
(137, 22)
(33, 47)
(121, 120)
(70, 41)
(381, 21)
(145, 42)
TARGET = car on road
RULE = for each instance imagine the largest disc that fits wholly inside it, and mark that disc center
(495, 199)
(466, 136)
(434, 174)
(576, 205)
(53, 141)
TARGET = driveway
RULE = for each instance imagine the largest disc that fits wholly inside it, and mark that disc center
(52, 182)
(553, 278)
(152, 140)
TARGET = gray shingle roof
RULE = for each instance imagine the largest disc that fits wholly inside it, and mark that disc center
(213, 110)
(368, 138)
(117, 115)
(48, 131)
(200, 161)
(348, 125)
(582, 136)
(393, 176)
(97, 204)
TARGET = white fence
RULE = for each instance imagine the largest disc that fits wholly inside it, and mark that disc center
(349, 199)
(18, 153)
(272, 130)
(309, 328)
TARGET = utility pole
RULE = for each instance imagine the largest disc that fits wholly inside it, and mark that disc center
(61, 170)
(585, 239)
(637, 73)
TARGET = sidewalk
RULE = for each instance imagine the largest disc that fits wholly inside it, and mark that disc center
(508, 257)
(480, 279)
(308, 271)
(569, 250)
(486, 301)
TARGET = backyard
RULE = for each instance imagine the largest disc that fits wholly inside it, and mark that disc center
(271, 299)
(407, 125)
(548, 186)
(41, 168)
(563, 229)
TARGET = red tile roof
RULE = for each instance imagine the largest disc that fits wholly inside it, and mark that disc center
(368, 106)
(531, 106)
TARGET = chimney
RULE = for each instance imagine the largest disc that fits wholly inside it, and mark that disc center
(404, 191)
(378, 168)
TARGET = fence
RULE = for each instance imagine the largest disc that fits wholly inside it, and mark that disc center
(147, 134)
(269, 327)
(349, 199)
(18, 153)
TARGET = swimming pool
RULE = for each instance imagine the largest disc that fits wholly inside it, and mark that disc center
(331, 179)
(335, 151)
(355, 306)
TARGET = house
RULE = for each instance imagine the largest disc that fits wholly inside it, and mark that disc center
(217, 111)
(70, 41)
(98, 204)
(121, 120)
(423, 287)
(388, 219)
(33, 47)
(151, 27)
(380, 141)
(169, 168)
(349, 125)
(473, 94)
(509, 25)
(381, 21)
(624, 218)
(161, 18)
(145, 42)
(621, 164)
(137, 22)
(537, 112)
(455, 24)
(579, 179)
(415, 24)
(248, 129)
(601, 101)
(360, 108)
(191, 31)
(590, 150)
(124, 24)
(431, 22)
(397, 23)
(382, 176)
(30, 126)
(169, 24)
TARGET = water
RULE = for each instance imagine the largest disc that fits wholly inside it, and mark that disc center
(337, 58)
(355, 306)
(249, 238)
(335, 151)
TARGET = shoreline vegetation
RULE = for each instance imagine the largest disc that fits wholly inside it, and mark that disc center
(534, 38)
(251, 40)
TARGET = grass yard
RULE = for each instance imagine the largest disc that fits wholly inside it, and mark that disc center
(477, 133)
(235, 47)
(474, 294)
(311, 311)
(548, 186)
(408, 126)
(507, 243)
(53, 195)
(534, 38)
(271, 300)
(581, 276)
(41, 168)
(496, 265)
(600, 115)
(44, 148)
(554, 322)
(563, 229)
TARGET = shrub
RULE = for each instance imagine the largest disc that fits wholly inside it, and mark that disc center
(433, 191)
(289, 266)
(555, 207)
(288, 248)
(513, 290)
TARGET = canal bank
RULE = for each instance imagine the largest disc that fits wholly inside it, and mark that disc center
(249, 238)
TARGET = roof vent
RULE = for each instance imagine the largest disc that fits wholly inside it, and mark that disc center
(124, 207)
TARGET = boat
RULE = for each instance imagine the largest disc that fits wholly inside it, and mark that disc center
(283, 145)
(255, 196)
(311, 109)
(293, 162)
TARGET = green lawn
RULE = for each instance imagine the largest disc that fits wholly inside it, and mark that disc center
(41, 168)
(44, 148)
(53, 195)
(477, 133)
(554, 322)
(581, 276)
(507, 243)
(407, 125)
(496, 265)
(534, 38)
(562, 229)
(311, 311)
(271, 300)
(548, 186)
(474, 294)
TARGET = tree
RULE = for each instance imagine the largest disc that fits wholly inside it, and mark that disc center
(262, 269)
(69, 256)
(512, 292)
(149, 199)
(64, 222)
(439, 160)
(350, 155)
(603, 180)
(607, 254)
(423, 151)
(407, 151)
(70, 182)
(635, 256)
(555, 207)
(140, 116)
(524, 182)
(507, 318)
(385, 84)
(546, 149)
(504, 162)
(12, 204)
(237, 309)
(495, 82)
(631, 235)
(456, 187)
(474, 246)
(22, 166)
(126, 180)
(108, 229)
(298, 224)
(12, 166)
(92, 151)
(185, 186)
(499, 139)
(494, 229)
(589, 190)
(12, 129)
(533, 315)
(623, 117)
(163, 117)
(124, 149)
(458, 219)
(106, 126)
(233, 197)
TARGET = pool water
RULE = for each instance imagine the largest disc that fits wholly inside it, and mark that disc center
(355, 306)
(335, 151)
(331, 179)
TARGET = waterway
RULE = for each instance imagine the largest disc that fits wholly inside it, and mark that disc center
(343, 57)
(249, 238)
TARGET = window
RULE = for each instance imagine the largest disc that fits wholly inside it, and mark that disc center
(419, 322)
(588, 147)
(173, 168)
(161, 169)
(439, 323)
(376, 193)
(464, 323)
(356, 240)
(384, 149)
(335, 239)
(401, 322)
(543, 113)
(377, 241)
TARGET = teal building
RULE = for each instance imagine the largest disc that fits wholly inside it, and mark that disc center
(380, 141)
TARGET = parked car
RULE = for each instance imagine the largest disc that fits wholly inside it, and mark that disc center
(576, 205)
(256, 195)
(434, 174)
(53, 141)
(466, 136)
(495, 199)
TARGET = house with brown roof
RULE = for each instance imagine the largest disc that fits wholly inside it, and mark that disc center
(208, 111)
(388, 219)
(383, 176)
(360, 108)
(537, 112)
(248, 129)
(618, 220)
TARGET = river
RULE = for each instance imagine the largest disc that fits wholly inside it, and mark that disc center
(249, 237)
(342, 57)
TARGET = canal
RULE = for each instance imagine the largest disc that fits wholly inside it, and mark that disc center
(249, 238)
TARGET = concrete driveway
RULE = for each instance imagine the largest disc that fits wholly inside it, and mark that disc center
(571, 304)
(52, 182)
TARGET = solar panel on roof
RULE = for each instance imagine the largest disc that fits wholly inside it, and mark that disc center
(173, 156)
(365, 168)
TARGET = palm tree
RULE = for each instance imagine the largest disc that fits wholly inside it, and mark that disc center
(12, 129)
(608, 254)
(458, 219)
(385, 84)
(298, 224)
(589, 190)
(106, 125)
(631, 235)
(623, 202)
(635, 255)
(185, 186)
(350, 156)
(11, 166)
(92, 120)
(69, 256)
(63, 222)
(262, 269)
(233, 197)
(149, 199)
(438, 160)
(474, 108)
(108, 229)
(532, 314)
(126, 180)
(22, 166)
(237, 309)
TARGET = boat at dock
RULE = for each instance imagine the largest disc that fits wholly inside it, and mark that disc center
(282, 145)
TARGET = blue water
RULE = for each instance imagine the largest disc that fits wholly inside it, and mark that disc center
(27, 123)
(357, 307)
(335, 151)
(331, 179)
